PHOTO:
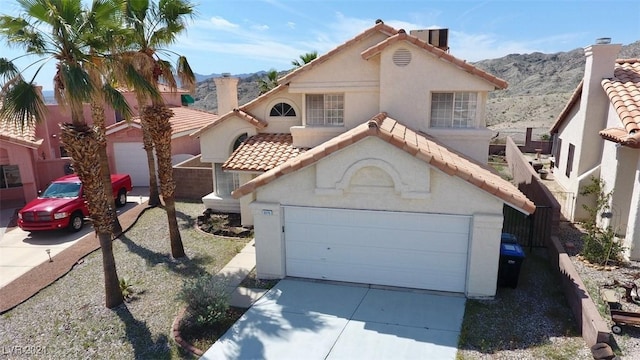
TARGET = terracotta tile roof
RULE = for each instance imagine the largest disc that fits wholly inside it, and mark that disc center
(262, 152)
(420, 145)
(562, 118)
(624, 93)
(439, 53)
(12, 133)
(185, 121)
(258, 123)
(378, 27)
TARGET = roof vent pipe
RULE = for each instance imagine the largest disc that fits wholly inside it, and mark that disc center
(603, 41)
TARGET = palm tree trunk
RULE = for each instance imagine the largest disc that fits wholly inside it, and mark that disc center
(157, 116)
(154, 194)
(83, 143)
(97, 112)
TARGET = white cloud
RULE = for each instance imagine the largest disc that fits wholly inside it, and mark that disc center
(258, 27)
(222, 24)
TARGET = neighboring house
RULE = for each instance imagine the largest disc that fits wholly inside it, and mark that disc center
(126, 152)
(18, 153)
(598, 135)
(37, 156)
(367, 165)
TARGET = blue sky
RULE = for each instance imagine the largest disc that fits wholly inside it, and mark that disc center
(246, 36)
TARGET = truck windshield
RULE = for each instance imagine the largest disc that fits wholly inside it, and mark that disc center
(61, 190)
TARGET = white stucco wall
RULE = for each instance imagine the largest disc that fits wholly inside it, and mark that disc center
(280, 124)
(444, 194)
(216, 144)
(405, 91)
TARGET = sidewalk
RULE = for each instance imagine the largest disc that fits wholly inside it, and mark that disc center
(235, 271)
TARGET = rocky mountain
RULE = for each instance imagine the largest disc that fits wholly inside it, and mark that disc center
(539, 88)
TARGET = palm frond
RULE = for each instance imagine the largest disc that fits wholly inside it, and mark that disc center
(185, 74)
(139, 82)
(8, 71)
(116, 99)
(22, 105)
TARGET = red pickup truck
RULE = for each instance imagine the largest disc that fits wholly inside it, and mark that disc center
(62, 204)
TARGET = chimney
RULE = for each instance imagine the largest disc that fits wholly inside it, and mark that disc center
(594, 104)
(227, 93)
(436, 37)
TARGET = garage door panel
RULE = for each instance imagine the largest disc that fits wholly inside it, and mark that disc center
(131, 158)
(396, 238)
(402, 277)
(382, 257)
(399, 249)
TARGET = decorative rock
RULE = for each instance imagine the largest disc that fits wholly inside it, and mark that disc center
(602, 351)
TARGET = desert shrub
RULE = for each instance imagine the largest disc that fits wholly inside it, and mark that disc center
(599, 243)
(207, 300)
(126, 287)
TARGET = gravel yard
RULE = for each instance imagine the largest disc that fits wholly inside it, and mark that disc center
(532, 321)
(596, 278)
(68, 320)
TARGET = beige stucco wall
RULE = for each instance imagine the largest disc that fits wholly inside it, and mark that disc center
(405, 91)
(279, 124)
(392, 169)
(216, 144)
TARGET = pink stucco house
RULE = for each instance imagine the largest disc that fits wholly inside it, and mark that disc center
(368, 165)
(30, 159)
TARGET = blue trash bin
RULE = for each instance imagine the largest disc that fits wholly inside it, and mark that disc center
(511, 258)
(507, 238)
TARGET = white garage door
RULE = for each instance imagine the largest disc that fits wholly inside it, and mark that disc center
(424, 251)
(132, 159)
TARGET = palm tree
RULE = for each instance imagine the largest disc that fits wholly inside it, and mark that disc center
(305, 58)
(154, 26)
(60, 30)
(269, 82)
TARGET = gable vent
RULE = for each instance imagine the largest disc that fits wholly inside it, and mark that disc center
(402, 57)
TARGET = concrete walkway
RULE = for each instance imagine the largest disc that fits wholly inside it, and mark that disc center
(237, 270)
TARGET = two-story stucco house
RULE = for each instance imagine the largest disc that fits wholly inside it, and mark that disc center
(368, 165)
(597, 135)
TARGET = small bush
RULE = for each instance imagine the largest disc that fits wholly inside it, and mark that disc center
(599, 243)
(600, 247)
(126, 287)
(207, 300)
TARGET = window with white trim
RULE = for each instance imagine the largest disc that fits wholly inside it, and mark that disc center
(226, 182)
(325, 109)
(282, 109)
(453, 109)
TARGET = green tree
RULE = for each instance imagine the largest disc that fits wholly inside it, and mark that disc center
(269, 82)
(63, 31)
(304, 59)
(155, 26)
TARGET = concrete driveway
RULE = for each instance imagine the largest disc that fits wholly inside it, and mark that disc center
(300, 319)
(20, 251)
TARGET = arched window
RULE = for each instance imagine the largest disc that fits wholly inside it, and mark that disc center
(239, 141)
(282, 109)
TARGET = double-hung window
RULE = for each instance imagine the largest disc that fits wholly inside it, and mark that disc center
(325, 109)
(226, 182)
(453, 109)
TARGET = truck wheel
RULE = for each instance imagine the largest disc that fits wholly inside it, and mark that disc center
(76, 222)
(121, 200)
